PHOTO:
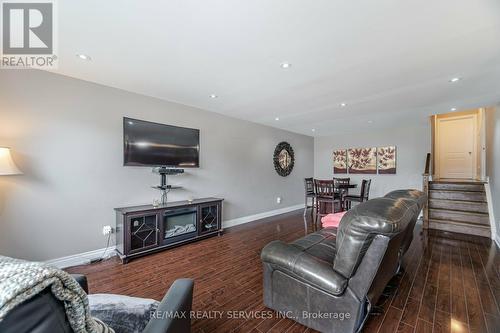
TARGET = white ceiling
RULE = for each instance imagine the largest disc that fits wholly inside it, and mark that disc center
(387, 59)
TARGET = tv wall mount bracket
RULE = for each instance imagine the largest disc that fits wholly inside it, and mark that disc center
(164, 187)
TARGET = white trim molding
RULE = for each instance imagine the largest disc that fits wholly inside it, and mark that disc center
(86, 257)
(251, 218)
(489, 200)
(82, 258)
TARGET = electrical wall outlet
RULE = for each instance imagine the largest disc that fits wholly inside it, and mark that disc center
(106, 230)
(278, 200)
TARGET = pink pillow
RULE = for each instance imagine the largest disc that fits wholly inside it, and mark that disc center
(332, 220)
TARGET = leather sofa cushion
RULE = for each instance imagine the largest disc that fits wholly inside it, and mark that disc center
(416, 195)
(308, 259)
(408, 198)
(320, 245)
(361, 224)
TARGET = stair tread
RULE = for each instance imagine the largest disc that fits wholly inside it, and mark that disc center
(460, 227)
(459, 211)
(459, 201)
(441, 190)
(465, 182)
(459, 205)
(473, 203)
(459, 216)
(468, 224)
(452, 186)
(457, 195)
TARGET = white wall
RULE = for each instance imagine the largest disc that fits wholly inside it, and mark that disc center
(412, 144)
(66, 137)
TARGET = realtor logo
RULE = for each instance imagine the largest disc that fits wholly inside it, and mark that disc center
(28, 34)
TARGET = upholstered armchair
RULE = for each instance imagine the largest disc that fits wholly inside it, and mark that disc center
(43, 313)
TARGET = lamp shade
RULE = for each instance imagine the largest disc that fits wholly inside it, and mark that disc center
(7, 166)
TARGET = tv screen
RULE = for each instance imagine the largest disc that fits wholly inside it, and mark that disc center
(151, 144)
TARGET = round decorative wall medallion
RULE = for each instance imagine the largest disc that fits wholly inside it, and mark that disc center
(283, 159)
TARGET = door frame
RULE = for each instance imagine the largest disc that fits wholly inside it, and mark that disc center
(482, 144)
(476, 174)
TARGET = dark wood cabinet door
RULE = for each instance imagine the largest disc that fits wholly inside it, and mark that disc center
(142, 232)
(209, 218)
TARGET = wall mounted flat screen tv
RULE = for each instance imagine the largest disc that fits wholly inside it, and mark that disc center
(152, 144)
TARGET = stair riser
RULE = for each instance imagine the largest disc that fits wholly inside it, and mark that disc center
(464, 206)
(459, 217)
(452, 195)
(457, 187)
(469, 230)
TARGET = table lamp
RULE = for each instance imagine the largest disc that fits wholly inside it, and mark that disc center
(7, 165)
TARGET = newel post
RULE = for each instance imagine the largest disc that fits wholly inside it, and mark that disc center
(425, 188)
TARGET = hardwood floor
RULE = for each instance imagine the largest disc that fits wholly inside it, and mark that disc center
(451, 282)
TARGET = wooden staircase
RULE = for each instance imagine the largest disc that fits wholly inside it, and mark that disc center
(458, 206)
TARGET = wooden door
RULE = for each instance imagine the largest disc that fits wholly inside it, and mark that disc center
(457, 146)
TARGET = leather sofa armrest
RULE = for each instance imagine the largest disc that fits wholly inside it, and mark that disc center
(289, 258)
(82, 281)
(173, 313)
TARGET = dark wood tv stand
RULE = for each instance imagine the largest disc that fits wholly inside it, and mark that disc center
(141, 230)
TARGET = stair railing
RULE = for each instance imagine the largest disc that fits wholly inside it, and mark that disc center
(426, 178)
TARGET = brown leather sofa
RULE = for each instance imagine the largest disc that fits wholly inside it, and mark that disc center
(329, 280)
(408, 196)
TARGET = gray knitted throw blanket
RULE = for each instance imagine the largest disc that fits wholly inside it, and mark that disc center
(21, 280)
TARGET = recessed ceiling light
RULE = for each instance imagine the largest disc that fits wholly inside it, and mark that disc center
(455, 79)
(343, 105)
(453, 109)
(84, 57)
(277, 118)
(314, 130)
(285, 65)
(213, 96)
(370, 121)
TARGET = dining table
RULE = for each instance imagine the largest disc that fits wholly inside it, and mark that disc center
(344, 189)
(336, 191)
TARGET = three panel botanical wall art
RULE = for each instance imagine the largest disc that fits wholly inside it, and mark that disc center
(365, 160)
(340, 161)
(386, 157)
(362, 160)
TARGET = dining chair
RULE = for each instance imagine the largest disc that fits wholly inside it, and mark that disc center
(309, 193)
(325, 195)
(341, 192)
(363, 194)
(340, 181)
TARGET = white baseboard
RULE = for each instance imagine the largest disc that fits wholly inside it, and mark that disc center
(85, 257)
(251, 218)
(497, 240)
(81, 258)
